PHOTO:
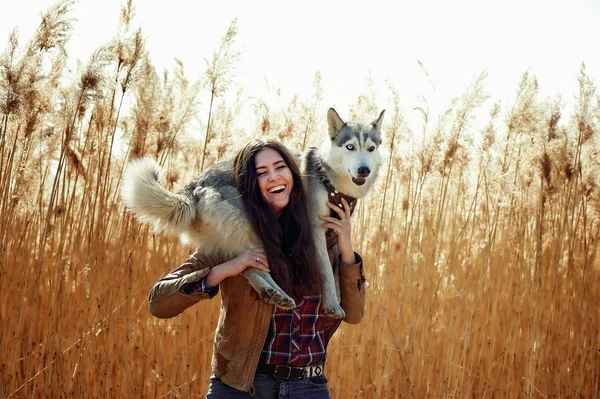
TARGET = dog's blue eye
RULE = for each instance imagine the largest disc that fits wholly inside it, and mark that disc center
(350, 147)
(371, 148)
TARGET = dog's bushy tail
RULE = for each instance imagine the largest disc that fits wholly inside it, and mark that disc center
(152, 203)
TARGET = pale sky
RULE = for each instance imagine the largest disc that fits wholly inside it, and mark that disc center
(287, 42)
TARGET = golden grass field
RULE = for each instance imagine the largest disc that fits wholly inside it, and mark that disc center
(480, 244)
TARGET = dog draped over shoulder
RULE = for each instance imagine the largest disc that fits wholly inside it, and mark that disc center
(208, 212)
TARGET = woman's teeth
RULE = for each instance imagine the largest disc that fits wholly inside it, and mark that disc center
(277, 189)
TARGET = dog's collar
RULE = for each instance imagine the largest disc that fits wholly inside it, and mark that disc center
(333, 195)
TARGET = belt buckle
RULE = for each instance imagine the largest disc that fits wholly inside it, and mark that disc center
(289, 369)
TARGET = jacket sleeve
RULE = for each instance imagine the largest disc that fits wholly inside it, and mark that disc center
(352, 292)
(167, 298)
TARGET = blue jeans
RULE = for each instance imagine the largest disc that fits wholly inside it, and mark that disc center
(267, 387)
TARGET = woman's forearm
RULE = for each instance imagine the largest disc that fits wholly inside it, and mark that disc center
(219, 273)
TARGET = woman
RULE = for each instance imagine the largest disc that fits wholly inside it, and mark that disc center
(259, 350)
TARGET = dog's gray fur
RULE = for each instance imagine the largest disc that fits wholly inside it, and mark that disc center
(208, 213)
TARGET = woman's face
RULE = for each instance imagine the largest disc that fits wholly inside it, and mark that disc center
(275, 179)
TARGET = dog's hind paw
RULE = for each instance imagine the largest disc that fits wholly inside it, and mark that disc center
(335, 311)
(277, 298)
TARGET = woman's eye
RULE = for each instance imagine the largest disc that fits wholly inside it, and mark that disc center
(282, 166)
(350, 147)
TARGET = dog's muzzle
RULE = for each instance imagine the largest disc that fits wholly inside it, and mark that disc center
(363, 173)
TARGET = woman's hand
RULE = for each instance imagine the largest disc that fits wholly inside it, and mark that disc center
(343, 229)
(255, 258)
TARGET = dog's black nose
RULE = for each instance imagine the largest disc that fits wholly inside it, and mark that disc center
(363, 171)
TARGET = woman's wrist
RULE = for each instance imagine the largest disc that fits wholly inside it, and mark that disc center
(347, 253)
(348, 259)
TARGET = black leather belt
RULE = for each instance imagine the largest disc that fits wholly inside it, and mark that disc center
(289, 372)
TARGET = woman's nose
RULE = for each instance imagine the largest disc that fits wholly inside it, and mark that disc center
(273, 175)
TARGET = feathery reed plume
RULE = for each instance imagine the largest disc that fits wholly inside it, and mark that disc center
(489, 132)
(366, 104)
(9, 90)
(426, 73)
(584, 110)
(75, 158)
(309, 116)
(219, 74)
(223, 127)
(178, 107)
(264, 121)
(521, 119)
(147, 99)
(55, 28)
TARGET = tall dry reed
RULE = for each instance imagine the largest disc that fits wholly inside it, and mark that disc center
(481, 245)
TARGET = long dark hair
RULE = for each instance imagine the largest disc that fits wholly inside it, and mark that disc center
(287, 239)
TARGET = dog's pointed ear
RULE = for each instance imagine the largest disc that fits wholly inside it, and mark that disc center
(379, 122)
(334, 122)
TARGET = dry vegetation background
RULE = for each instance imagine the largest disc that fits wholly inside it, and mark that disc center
(481, 244)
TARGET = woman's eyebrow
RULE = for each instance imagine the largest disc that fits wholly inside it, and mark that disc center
(274, 163)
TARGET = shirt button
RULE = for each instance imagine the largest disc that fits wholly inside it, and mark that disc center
(295, 350)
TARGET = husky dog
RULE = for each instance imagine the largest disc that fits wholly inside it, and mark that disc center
(209, 214)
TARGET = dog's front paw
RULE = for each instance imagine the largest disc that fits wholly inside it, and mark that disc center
(334, 311)
(277, 298)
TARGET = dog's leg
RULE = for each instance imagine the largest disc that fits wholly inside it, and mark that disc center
(269, 291)
(336, 271)
(330, 298)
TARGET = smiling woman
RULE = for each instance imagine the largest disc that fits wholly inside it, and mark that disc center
(261, 350)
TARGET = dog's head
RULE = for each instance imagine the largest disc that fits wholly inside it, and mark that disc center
(354, 153)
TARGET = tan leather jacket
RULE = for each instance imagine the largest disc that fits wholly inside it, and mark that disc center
(244, 319)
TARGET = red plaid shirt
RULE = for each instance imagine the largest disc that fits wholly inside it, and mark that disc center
(296, 336)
